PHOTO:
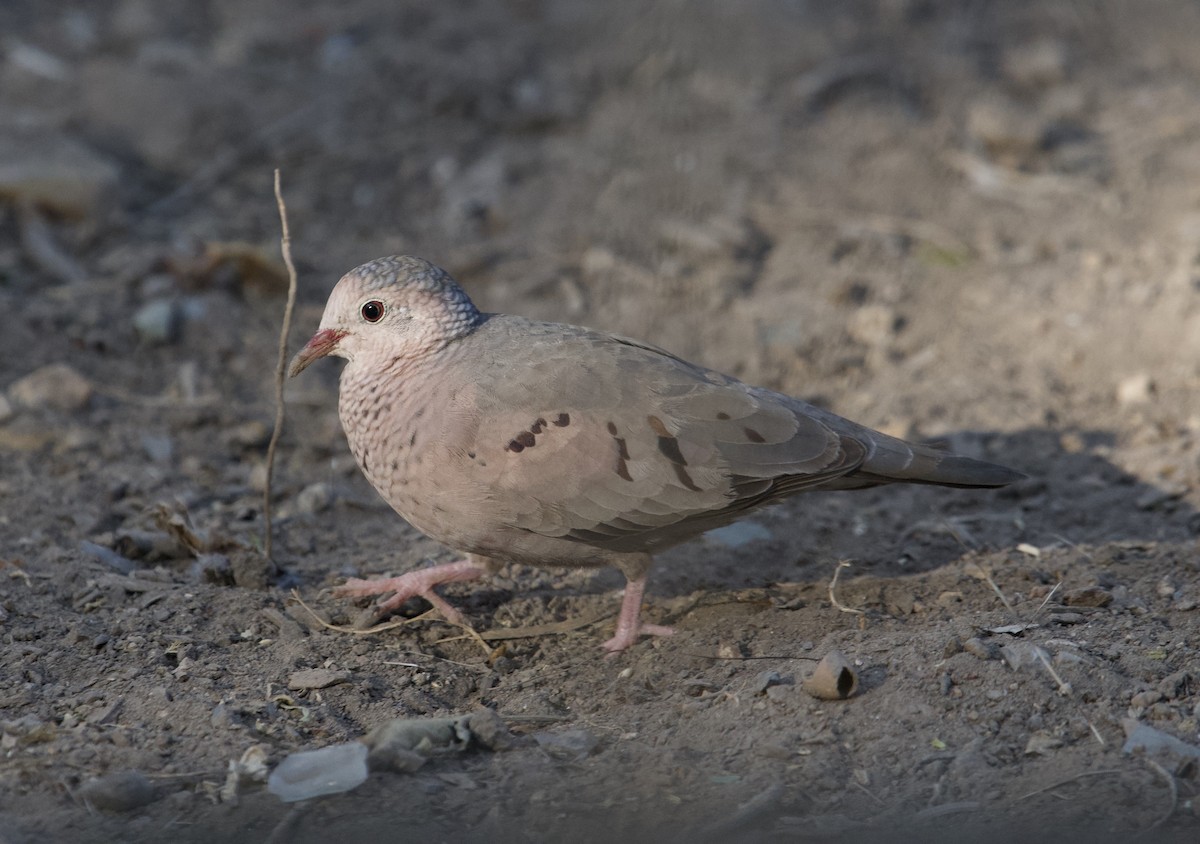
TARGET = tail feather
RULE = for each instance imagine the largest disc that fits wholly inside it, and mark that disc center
(891, 460)
(896, 461)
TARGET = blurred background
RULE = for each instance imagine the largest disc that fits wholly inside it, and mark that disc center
(973, 220)
(974, 197)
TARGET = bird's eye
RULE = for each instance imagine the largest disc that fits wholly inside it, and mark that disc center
(372, 311)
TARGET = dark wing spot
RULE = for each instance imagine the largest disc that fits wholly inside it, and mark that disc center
(622, 468)
(412, 440)
(722, 416)
(657, 426)
(538, 426)
(622, 456)
(669, 446)
(526, 439)
(685, 478)
(514, 446)
(471, 454)
(395, 465)
(563, 420)
(753, 435)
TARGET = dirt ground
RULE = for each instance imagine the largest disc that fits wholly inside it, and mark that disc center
(976, 221)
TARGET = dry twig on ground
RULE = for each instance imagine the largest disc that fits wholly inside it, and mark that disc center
(281, 368)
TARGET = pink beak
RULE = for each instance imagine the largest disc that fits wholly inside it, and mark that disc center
(321, 344)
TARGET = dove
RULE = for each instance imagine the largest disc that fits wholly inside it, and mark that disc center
(511, 440)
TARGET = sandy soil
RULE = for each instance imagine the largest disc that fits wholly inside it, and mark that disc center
(971, 221)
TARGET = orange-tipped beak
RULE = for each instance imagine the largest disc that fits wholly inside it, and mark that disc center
(321, 344)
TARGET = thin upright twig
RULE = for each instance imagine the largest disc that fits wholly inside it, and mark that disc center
(1007, 605)
(285, 242)
(842, 564)
(1049, 595)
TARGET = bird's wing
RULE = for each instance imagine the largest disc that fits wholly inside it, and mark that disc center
(626, 447)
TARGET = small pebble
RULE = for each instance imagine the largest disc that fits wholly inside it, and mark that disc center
(1021, 654)
(767, 679)
(1088, 596)
(315, 498)
(54, 387)
(316, 678)
(1177, 685)
(575, 745)
(118, 792)
(1136, 389)
(157, 321)
(222, 718)
(873, 325)
(1144, 739)
(1185, 603)
(1040, 744)
(158, 447)
(1147, 698)
(834, 678)
(976, 647)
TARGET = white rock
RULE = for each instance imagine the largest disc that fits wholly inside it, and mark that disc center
(1136, 389)
(315, 498)
(157, 321)
(311, 773)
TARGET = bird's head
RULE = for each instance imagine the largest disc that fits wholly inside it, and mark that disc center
(397, 307)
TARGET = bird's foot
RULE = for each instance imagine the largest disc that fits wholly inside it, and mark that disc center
(626, 638)
(415, 584)
(629, 624)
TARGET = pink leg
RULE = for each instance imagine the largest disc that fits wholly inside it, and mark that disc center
(418, 583)
(629, 625)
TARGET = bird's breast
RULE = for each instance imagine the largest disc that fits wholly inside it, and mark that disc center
(416, 447)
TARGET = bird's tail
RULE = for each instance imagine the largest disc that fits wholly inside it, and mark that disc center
(897, 461)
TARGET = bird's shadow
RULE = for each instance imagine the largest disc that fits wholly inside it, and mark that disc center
(1074, 496)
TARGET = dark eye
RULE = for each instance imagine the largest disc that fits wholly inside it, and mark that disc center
(372, 311)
